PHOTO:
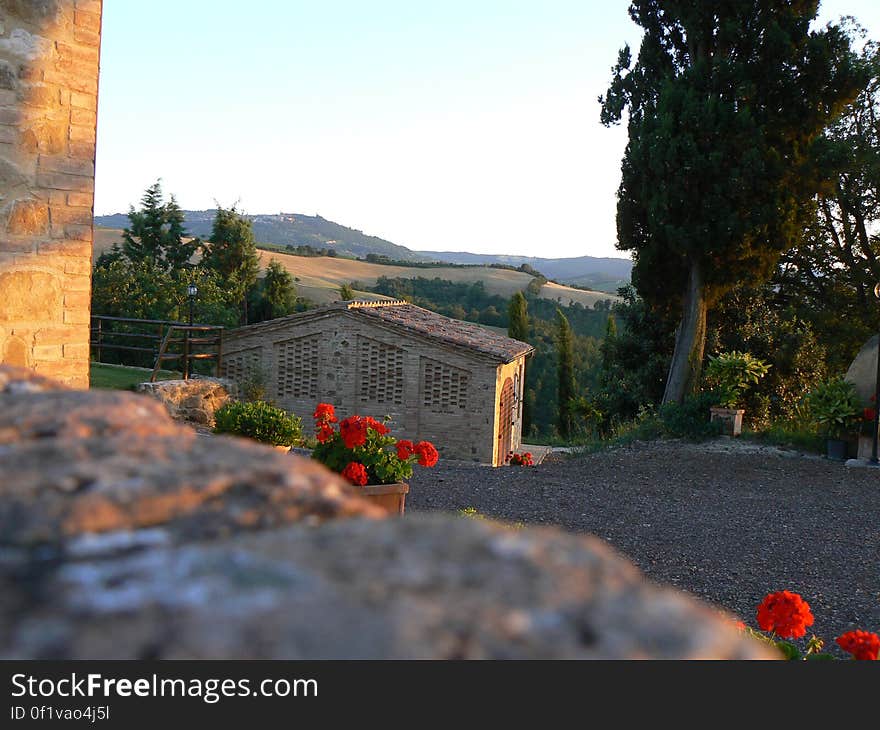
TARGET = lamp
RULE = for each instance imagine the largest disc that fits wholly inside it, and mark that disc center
(192, 291)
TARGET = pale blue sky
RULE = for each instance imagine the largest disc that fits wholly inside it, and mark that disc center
(456, 125)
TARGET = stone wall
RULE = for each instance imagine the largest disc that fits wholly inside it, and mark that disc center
(126, 536)
(49, 55)
(194, 400)
(330, 358)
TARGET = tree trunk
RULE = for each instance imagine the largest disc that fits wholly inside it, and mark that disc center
(690, 341)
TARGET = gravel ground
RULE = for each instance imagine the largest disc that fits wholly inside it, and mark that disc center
(725, 521)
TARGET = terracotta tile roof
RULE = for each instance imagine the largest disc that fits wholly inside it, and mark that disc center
(443, 329)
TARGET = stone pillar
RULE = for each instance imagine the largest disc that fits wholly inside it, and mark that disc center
(49, 56)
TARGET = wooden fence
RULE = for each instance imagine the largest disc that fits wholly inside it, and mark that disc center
(158, 341)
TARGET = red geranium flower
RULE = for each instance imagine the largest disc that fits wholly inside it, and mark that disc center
(325, 412)
(861, 644)
(869, 414)
(377, 426)
(325, 433)
(428, 455)
(353, 431)
(355, 473)
(785, 613)
(405, 449)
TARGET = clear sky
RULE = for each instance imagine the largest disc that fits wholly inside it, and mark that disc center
(461, 125)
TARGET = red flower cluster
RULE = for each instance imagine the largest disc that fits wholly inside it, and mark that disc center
(520, 459)
(786, 614)
(325, 413)
(363, 452)
(356, 473)
(354, 430)
(869, 414)
(324, 416)
(861, 644)
(405, 449)
(428, 455)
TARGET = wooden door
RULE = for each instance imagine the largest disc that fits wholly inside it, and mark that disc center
(506, 418)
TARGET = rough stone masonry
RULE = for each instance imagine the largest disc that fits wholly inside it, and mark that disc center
(49, 55)
(124, 535)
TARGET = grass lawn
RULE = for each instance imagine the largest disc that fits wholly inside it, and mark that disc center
(119, 377)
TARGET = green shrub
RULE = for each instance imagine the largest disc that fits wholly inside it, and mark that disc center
(260, 421)
(834, 406)
(730, 374)
(691, 419)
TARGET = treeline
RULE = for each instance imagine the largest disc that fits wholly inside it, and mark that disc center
(148, 274)
(471, 301)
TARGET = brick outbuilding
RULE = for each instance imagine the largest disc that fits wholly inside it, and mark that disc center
(454, 383)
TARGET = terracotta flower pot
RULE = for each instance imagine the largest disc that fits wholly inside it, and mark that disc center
(284, 449)
(391, 497)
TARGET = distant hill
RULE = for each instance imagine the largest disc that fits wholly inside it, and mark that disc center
(318, 278)
(602, 274)
(291, 229)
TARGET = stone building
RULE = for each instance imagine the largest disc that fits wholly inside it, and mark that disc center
(456, 384)
(49, 55)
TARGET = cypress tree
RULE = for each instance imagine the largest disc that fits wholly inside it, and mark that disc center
(518, 318)
(724, 103)
(565, 373)
(518, 329)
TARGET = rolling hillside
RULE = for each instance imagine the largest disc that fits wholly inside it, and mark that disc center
(291, 229)
(294, 229)
(603, 274)
(319, 278)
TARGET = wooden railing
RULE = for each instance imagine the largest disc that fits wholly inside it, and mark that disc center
(159, 341)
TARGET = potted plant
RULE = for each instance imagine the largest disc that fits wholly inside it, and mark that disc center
(730, 375)
(260, 421)
(834, 405)
(362, 450)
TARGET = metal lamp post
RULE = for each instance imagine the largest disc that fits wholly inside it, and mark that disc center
(192, 292)
(874, 435)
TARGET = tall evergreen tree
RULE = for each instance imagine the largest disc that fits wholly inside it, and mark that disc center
(829, 276)
(565, 373)
(724, 103)
(231, 251)
(609, 343)
(156, 232)
(279, 292)
(518, 329)
(518, 318)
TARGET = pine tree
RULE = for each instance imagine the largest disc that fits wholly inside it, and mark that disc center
(346, 293)
(231, 251)
(156, 232)
(724, 103)
(565, 373)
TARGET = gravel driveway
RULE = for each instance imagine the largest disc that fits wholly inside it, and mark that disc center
(725, 521)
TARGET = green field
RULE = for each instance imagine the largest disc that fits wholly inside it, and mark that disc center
(119, 377)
